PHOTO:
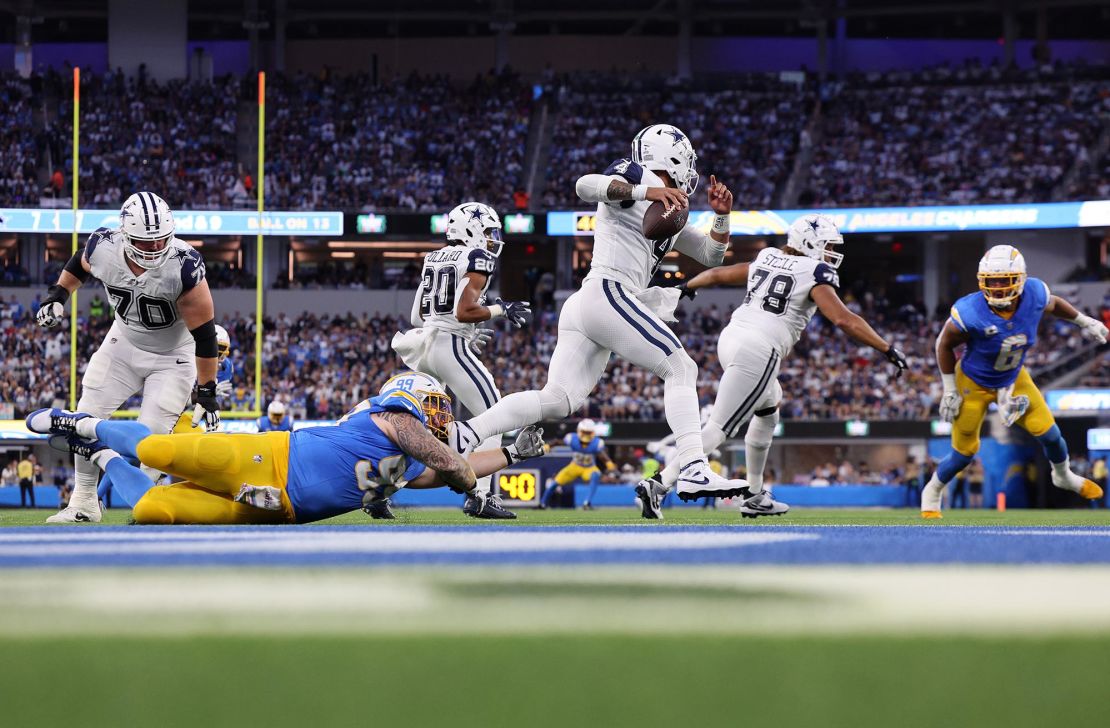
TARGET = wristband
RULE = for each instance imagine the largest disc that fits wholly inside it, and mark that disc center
(509, 459)
(949, 381)
(721, 224)
(496, 311)
(639, 192)
(56, 294)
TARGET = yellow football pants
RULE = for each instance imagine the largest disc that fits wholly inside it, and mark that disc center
(573, 472)
(1037, 420)
(214, 467)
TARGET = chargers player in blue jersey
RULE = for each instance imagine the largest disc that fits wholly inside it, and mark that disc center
(999, 326)
(275, 420)
(588, 452)
(224, 366)
(386, 443)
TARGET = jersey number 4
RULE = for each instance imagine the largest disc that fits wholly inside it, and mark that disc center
(778, 290)
(437, 292)
(154, 313)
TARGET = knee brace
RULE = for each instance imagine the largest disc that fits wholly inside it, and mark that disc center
(761, 429)
(678, 369)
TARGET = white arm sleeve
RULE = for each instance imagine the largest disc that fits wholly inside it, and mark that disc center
(414, 315)
(594, 187)
(700, 246)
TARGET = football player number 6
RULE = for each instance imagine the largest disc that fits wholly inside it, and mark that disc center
(1009, 355)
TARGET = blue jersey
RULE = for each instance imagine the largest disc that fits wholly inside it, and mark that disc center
(224, 370)
(997, 346)
(585, 455)
(332, 467)
(265, 425)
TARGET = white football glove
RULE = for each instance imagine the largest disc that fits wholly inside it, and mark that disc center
(479, 339)
(1010, 407)
(1092, 328)
(223, 389)
(529, 444)
(50, 314)
(950, 401)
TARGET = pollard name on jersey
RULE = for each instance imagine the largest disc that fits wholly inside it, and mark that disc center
(443, 280)
(778, 302)
(146, 304)
(621, 252)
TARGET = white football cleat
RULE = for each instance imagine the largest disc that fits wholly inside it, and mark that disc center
(696, 480)
(462, 438)
(77, 514)
(762, 504)
(54, 421)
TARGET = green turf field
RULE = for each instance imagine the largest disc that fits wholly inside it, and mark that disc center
(685, 516)
(572, 681)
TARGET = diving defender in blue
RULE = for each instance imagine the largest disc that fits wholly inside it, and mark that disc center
(388, 442)
(999, 326)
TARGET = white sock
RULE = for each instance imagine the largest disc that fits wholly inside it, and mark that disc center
(85, 478)
(1063, 477)
(680, 402)
(494, 443)
(933, 495)
(101, 458)
(516, 410)
(757, 445)
(669, 474)
(86, 427)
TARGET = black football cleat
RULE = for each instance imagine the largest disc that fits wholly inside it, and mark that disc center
(379, 510)
(491, 509)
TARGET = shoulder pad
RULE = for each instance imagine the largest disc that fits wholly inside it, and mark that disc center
(192, 268)
(480, 261)
(398, 400)
(825, 274)
(956, 318)
(626, 168)
(97, 236)
(600, 444)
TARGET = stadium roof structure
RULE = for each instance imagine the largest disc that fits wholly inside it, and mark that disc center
(53, 19)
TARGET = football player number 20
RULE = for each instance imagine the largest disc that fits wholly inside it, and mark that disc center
(1010, 352)
(437, 292)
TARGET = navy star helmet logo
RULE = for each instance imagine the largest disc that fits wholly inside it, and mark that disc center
(474, 212)
(813, 224)
(676, 135)
(126, 212)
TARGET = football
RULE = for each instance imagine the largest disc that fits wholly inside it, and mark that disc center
(661, 222)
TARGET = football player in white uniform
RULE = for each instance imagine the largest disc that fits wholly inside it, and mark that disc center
(785, 288)
(616, 311)
(446, 341)
(163, 338)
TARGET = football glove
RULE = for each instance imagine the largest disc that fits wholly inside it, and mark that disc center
(208, 407)
(950, 403)
(898, 359)
(529, 444)
(223, 389)
(516, 311)
(479, 339)
(1092, 328)
(50, 314)
(1010, 407)
(684, 292)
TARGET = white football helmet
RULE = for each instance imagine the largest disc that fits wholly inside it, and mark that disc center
(586, 430)
(223, 343)
(1002, 275)
(664, 147)
(146, 218)
(813, 236)
(476, 226)
(429, 393)
(276, 412)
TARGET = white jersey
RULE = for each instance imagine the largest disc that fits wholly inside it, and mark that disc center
(778, 304)
(146, 304)
(621, 252)
(442, 282)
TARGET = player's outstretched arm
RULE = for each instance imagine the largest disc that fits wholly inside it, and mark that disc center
(832, 308)
(728, 275)
(415, 440)
(1092, 328)
(604, 188)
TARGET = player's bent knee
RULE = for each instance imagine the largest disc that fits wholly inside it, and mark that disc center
(556, 402)
(678, 369)
(157, 451)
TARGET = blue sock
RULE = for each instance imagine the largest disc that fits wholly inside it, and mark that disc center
(1054, 446)
(953, 463)
(549, 492)
(127, 481)
(123, 437)
(595, 480)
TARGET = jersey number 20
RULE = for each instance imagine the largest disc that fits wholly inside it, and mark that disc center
(437, 292)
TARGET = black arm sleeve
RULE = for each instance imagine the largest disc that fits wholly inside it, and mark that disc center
(55, 294)
(75, 268)
(205, 336)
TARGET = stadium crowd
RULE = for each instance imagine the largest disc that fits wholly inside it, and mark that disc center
(19, 152)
